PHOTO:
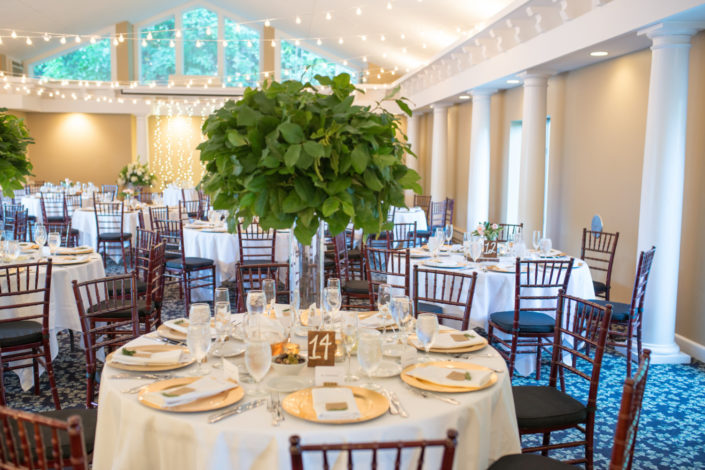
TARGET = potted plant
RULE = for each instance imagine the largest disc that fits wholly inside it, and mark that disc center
(295, 157)
(135, 176)
(14, 165)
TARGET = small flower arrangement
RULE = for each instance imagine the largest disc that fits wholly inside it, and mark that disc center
(487, 230)
(136, 175)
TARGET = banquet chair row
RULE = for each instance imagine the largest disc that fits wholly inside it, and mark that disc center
(438, 214)
(250, 277)
(57, 211)
(110, 227)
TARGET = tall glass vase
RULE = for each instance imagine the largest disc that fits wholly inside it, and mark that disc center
(306, 271)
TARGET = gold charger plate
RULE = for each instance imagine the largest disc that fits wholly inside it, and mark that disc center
(497, 269)
(370, 403)
(474, 347)
(79, 250)
(214, 402)
(164, 331)
(153, 367)
(63, 260)
(432, 387)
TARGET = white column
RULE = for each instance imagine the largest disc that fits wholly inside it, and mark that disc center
(533, 151)
(412, 137)
(479, 167)
(141, 138)
(661, 211)
(439, 152)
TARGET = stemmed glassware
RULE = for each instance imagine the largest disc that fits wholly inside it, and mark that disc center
(255, 308)
(221, 295)
(198, 335)
(222, 325)
(477, 246)
(400, 307)
(12, 250)
(40, 236)
(269, 287)
(448, 233)
(331, 302)
(349, 333)
(536, 239)
(384, 296)
(54, 242)
(258, 359)
(427, 331)
(369, 354)
(434, 243)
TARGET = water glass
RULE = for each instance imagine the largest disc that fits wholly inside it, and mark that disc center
(545, 246)
(295, 306)
(54, 242)
(434, 244)
(400, 308)
(536, 239)
(199, 312)
(222, 323)
(331, 303)
(369, 354)
(198, 341)
(427, 331)
(258, 359)
(348, 332)
(384, 296)
(269, 287)
(12, 250)
(221, 295)
(255, 308)
(448, 232)
(477, 246)
(40, 235)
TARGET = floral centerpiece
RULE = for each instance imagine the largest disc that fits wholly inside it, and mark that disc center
(14, 165)
(136, 175)
(488, 231)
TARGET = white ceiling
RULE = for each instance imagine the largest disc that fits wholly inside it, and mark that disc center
(428, 26)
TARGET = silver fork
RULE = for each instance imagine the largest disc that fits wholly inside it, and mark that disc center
(272, 407)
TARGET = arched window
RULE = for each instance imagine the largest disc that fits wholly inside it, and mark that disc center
(241, 54)
(301, 64)
(89, 62)
(200, 33)
(157, 55)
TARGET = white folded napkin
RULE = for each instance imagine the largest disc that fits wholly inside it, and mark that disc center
(181, 325)
(444, 376)
(76, 250)
(201, 388)
(376, 321)
(450, 339)
(144, 358)
(333, 396)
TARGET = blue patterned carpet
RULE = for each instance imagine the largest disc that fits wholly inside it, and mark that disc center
(671, 431)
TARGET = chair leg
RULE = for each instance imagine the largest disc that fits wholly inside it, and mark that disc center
(50, 373)
(538, 359)
(546, 442)
(35, 371)
(629, 352)
(187, 291)
(512, 354)
(589, 438)
(71, 341)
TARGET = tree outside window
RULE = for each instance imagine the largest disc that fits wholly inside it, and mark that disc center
(301, 64)
(200, 47)
(157, 56)
(241, 54)
(89, 62)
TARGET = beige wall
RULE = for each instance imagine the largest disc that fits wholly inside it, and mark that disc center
(81, 147)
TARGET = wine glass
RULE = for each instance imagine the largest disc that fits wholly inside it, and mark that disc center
(258, 359)
(545, 246)
(40, 235)
(295, 306)
(222, 325)
(400, 308)
(448, 233)
(221, 295)
(434, 243)
(198, 341)
(477, 246)
(269, 288)
(427, 331)
(12, 250)
(384, 296)
(255, 307)
(54, 242)
(331, 303)
(536, 239)
(348, 332)
(369, 354)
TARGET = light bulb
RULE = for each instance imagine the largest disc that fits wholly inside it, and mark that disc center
(345, 62)
(298, 20)
(319, 42)
(267, 23)
(403, 36)
(14, 35)
(115, 42)
(171, 43)
(329, 16)
(363, 37)
(121, 38)
(46, 37)
(358, 11)
(237, 28)
(389, 5)
(199, 43)
(340, 40)
(77, 39)
(149, 36)
(144, 43)
(423, 45)
(225, 43)
(382, 38)
(178, 33)
(297, 42)
(29, 41)
(93, 40)
(249, 44)
(364, 58)
(208, 31)
(403, 49)
(274, 43)
(62, 40)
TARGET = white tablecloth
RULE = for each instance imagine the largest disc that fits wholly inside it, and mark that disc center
(172, 196)
(411, 215)
(84, 221)
(33, 206)
(63, 313)
(132, 436)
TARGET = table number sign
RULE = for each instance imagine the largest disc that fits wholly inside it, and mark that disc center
(321, 348)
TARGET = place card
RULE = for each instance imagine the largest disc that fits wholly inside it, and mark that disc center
(321, 348)
(326, 376)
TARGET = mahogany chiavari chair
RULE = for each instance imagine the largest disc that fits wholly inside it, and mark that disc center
(390, 267)
(256, 245)
(144, 241)
(403, 235)
(250, 276)
(189, 272)
(110, 189)
(110, 221)
(145, 196)
(355, 254)
(15, 221)
(444, 288)
(624, 435)
(450, 210)
(536, 287)
(437, 216)
(109, 318)
(190, 210)
(205, 200)
(73, 203)
(352, 286)
(627, 317)
(45, 440)
(580, 334)
(56, 218)
(597, 250)
(509, 231)
(32, 188)
(24, 324)
(379, 452)
(424, 202)
(158, 213)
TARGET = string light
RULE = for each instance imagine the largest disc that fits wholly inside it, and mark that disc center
(13, 35)
(298, 20)
(77, 39)
(267, 23)
(358, 12)
(149, 36)
(62, 40)
(46, 37)
(29, 41)
(121, 38)
(115, 42)
(319, 42)
(329, 16)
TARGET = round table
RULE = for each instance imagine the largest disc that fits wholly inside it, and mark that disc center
(172, 196)
(63, 313)
(414, 214)
(132, 436)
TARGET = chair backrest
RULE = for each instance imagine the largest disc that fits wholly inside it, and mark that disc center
(437, 215)
(450, 210)
(32, 188)
(144, 241)
(387, 267)
(54, 210)
(598, 249)
(14, 221)
(580, 334)
(144, 196)
(34, 441)
(629, 412)
(448, 445)
(24, 291)
(646, 259)
(509, 230)
(445, 288)
(109, 188)
(537, 284)
(172, 233)
(424, 202)
(250, 276)
(109, 217)
(73, 203)
(340, 253)
(256, 245)
(403, 235)
(156, 267)
(190, 210)
(205, 203)
(158, 213)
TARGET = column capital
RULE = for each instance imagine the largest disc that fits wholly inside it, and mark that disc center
(535, 77)
(679, 31)
(439, 106)
(482, 92)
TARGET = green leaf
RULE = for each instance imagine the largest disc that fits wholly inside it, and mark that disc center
(236, 139)
(383, 161)
(404, 107)
(304, 190)
(247, 116)
(293, 203)
(292, 155)
(372, 181)
(314, 149)
(331, 205)
(291, 132)
(360, 157)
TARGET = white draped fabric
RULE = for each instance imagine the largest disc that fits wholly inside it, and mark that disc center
(411, 215)
(172, 196)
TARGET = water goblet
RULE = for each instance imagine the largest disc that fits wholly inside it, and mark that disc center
(258, 359)
(222, 325)
(369, 354)
(427, 331)
(198, 341)
(54, 242)
(400, 308)
(349, 335)
(269, 288)
(448, 233)
(384, 296)
(255, 307)
(536, 239)
(221, 295)
(40, 235)
(477, 246)
(545, 247)
(331, 303)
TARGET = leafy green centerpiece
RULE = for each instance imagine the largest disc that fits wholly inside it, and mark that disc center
(294, 157)
(14, 165)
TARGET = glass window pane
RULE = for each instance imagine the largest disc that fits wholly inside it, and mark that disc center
(200, 48)
(241, 54)
(295, 60)
(89, 62)
(157, 55)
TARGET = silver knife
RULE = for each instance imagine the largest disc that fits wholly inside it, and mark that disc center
(426, 394)
(400, 407)
(236, 410)
(392, 406)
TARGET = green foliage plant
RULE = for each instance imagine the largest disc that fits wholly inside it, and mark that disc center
(14, 165)
(294, 156)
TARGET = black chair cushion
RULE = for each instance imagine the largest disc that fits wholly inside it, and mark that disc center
(529, 322)
(355, 286)
(55, 218)
(539, 407)
(142, 311)
(429, 308)
(620, 310)
(355, 254)
(600, 287)
(191, 263)
(114, 236)
(423, 233)
(529, 462)
(75, 231)
(20, 332)
(88, 424)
